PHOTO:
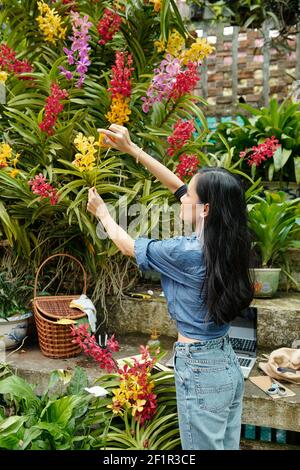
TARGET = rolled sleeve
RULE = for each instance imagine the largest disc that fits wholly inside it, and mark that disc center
(163, 256)
(159, 255)
(140, 251)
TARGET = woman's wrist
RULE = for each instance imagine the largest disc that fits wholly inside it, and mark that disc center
(102, 213)
(135, 151)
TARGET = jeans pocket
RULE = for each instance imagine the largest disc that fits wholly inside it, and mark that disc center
(214, 388)
(178, 368)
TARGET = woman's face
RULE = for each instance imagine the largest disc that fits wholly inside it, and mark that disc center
(192, 210)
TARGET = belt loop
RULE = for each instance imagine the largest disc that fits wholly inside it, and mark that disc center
(188, 349)
(225, 341)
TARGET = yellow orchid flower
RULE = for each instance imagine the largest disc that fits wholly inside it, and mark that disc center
(3, 76)
(138, 406)
(50, 23)
(119, 110)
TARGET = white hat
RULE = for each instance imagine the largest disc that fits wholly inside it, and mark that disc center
(283, 364)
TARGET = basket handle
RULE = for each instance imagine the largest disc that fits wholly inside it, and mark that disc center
(54, 256)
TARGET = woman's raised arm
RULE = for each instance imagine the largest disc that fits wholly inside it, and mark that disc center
(118, 137)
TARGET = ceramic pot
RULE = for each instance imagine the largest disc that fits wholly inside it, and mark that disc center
(266, 281)
(13, 330)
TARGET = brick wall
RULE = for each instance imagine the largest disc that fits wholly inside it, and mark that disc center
(244, 67)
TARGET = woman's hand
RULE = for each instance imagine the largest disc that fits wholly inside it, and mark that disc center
(96, 205)
(117, 234)
(118, 137)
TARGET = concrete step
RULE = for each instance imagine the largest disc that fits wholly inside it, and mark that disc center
(259, 409)
(32, 365)
(248, 444)
(278, 319)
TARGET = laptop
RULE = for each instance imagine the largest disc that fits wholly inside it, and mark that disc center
(242, 335)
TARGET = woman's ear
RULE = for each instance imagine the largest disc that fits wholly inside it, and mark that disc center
(206, 210)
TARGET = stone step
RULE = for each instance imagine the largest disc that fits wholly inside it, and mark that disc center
(33, 366)
(249, 444)
(259, 409)
(278, 319)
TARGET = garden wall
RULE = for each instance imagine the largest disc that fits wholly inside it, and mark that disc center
(245, 66)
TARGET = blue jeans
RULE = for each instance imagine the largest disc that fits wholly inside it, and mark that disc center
(209, 392)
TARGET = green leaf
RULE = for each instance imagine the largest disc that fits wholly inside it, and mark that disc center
(54, 69)
(271, 171)
(250, 20)
(31, 435)
(11, 425)
(136, 50)
(56, 430)
(158, 114)
(250, 109)
(18, 388)
(78, 382)
(61, 410)
(27, 136)
(179, 22)
(297, 169)
(164, 23)
(11, 442)
(280, 157)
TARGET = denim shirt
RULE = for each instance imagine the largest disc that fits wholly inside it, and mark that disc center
(180, 261)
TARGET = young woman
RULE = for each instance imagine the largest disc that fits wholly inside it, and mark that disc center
(206, 282)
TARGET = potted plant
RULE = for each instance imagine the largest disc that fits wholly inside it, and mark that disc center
(14, 312)
(268, 141)
(275, 223)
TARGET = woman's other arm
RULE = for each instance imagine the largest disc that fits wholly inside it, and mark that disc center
(118, 137)
(117, 234)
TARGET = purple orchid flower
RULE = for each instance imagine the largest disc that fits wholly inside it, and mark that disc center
(66, 73)
(78, 54)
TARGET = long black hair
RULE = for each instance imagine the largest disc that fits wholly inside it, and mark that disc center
(228, 286)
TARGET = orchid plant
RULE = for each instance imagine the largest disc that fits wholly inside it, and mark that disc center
(71, 68)
(135, 393)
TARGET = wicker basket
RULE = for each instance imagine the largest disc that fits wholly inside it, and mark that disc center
(55, 340)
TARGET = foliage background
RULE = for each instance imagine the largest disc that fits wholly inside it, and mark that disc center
(33, 227)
